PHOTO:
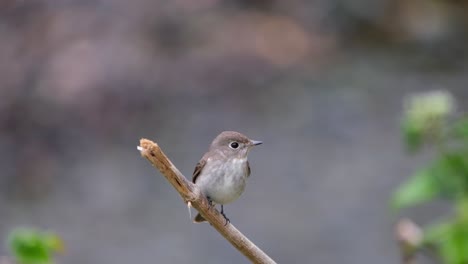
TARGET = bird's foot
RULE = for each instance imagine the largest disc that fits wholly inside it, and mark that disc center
(210, 202)
(224, 215)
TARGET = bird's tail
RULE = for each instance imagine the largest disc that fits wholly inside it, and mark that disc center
(198, 219)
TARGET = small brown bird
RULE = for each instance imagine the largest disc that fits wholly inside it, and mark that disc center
(222, 172)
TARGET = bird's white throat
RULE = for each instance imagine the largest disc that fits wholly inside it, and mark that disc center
(239, 160)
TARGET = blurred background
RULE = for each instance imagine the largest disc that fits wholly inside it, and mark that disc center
(321, 83)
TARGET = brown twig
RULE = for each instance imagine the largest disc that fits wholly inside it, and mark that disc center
(193, 196)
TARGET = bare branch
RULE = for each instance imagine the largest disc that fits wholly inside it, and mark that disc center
(191, 194)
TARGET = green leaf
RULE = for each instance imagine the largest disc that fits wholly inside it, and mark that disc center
(421, 187)
(460, 128)
(30, 246)
(54, 242)
(412, 136)
(454, 245)
(436, 233)
(451, 170)
(451, 240)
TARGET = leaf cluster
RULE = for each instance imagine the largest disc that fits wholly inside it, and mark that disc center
(32, 246)
(428, 122)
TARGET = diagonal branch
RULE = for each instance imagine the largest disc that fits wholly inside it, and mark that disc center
(191, 194)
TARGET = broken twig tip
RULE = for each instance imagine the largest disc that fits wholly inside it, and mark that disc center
(139, 148)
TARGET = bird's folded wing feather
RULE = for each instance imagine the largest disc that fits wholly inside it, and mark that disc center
(198, 170)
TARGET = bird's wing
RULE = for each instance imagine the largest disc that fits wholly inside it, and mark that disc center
(198, 169)
(248, 169)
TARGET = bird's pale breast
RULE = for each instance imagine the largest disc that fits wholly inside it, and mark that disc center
(223, 181)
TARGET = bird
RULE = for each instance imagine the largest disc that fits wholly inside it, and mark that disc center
(221, 173)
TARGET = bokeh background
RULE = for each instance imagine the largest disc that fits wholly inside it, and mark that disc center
(320, 82)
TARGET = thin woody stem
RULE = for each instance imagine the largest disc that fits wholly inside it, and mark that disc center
(191, 194)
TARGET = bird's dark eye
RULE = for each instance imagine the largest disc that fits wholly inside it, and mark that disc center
(234, 145)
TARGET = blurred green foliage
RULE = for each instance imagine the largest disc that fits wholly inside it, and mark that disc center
(425, 117)
(32, 246)
(429, 121)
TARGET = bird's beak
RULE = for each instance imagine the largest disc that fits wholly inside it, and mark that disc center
(255, 142)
